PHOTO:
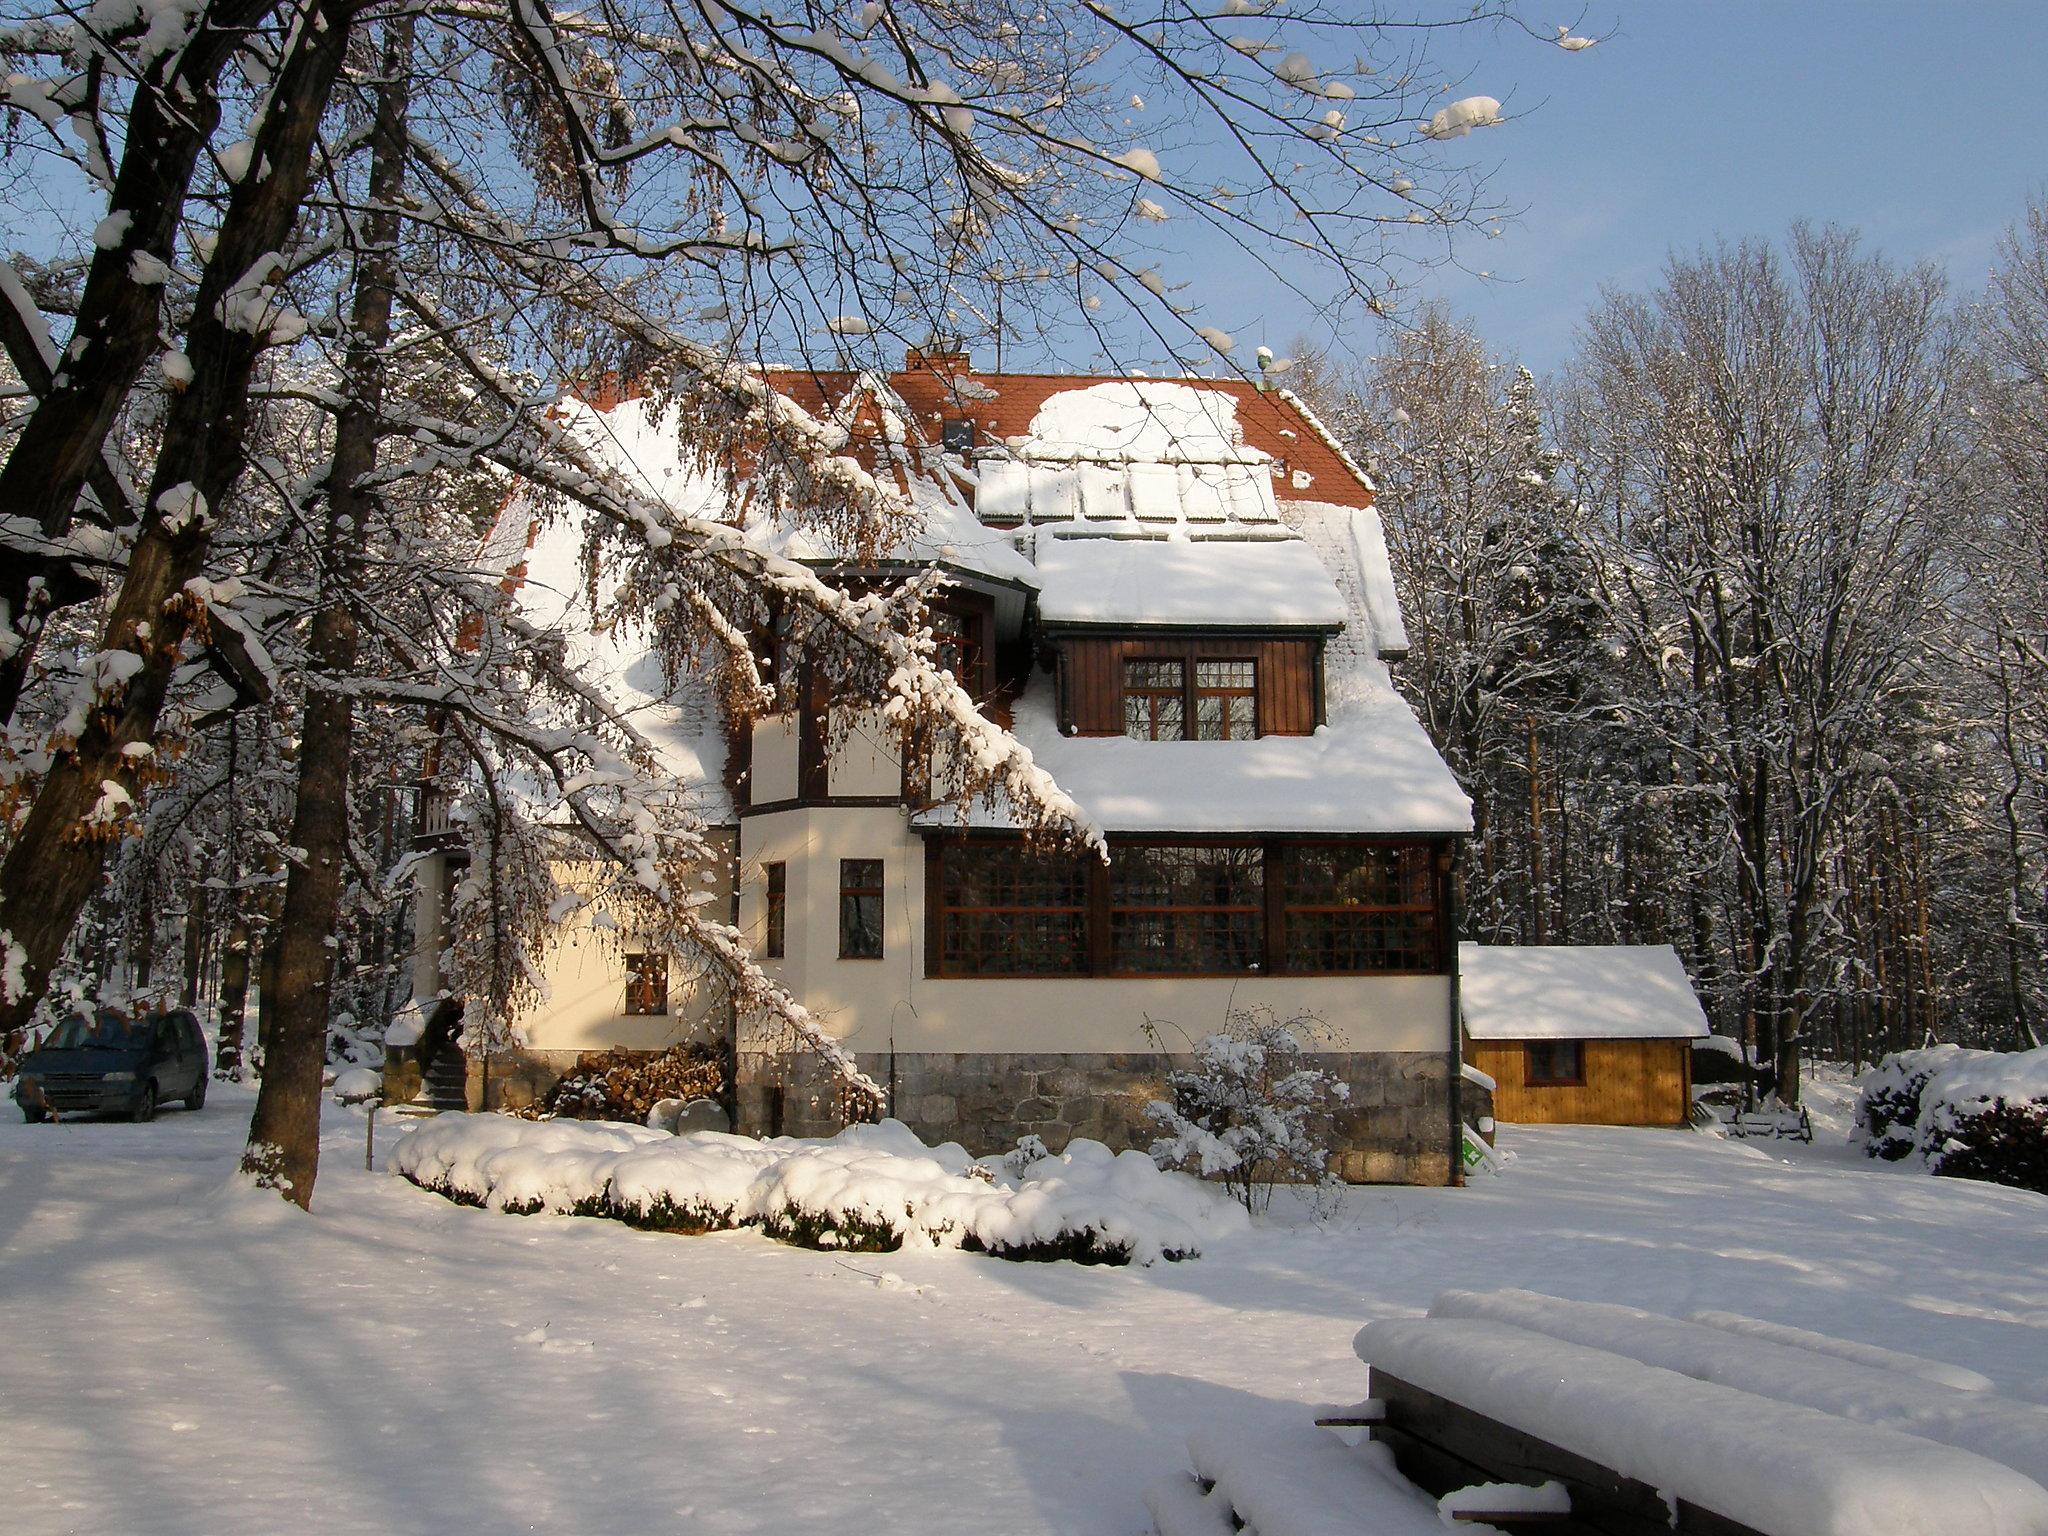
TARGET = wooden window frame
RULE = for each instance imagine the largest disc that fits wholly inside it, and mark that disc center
(646, 998)
(939, 910)
(1154, 695)
(1191, 693)
(1272, 949)
(775, 910)
(1530, 1049)
(1114, 964)
(1197, 693)
(1433, 909)
(878, 893)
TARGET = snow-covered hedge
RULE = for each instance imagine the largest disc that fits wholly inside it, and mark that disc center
(1988, 1119)
(1888, 1108)
(870, 1188)
(1965, 1114)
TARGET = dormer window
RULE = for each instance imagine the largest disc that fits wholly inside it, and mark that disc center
(957, 434)
(1155, 700)
(1163, 694)
(1226, 700)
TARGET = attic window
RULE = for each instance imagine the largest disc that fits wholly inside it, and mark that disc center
(1155, 703)
(957, 434)
(1159, 704)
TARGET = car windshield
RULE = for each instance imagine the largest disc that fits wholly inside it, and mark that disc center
(104, 1031)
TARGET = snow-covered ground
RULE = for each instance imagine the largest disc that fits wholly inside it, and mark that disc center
(177, 1356)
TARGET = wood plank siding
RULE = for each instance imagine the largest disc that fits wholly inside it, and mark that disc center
(1627, 1082)
(1092, 681)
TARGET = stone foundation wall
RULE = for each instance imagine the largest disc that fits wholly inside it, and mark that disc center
(518, 1077)
(1395, 1130)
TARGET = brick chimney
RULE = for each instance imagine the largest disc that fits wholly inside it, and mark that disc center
(942, 355)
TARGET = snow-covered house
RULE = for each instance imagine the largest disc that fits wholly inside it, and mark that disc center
(1177, 595)
(1591, 1034)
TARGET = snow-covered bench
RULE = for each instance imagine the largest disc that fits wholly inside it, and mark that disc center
(1717, 1426)
(1529, 1412)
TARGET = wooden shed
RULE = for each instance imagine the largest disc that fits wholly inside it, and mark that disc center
(1581, 1034)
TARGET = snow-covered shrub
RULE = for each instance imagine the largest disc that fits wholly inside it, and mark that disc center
(1250, 1111)
(871, 1188)
(1888, 1108)
(1987, 1118)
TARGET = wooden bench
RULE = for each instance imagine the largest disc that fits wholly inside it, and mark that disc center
(1524, 1391)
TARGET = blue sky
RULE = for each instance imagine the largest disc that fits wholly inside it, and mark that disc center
(1922, 125)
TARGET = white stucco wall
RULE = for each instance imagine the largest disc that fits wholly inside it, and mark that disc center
(879, 1004)
(773, 776)
(430, 878)
(585, 974)
(866, 761)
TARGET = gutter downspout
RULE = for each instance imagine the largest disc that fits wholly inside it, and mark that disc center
(1457, 1054)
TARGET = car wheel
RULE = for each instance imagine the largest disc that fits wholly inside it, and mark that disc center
(145, 1107)
(197, 1097)
(34, 1114)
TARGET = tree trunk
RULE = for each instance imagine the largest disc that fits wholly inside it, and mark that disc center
(284, 1136)
(234, 1001)
(118, 325)
(194, 937)
(54, 865)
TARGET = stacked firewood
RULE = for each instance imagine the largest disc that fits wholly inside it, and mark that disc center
(625, 1085)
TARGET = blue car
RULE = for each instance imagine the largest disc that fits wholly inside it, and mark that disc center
(109, 1063)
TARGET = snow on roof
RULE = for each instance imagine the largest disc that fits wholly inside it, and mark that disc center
(1145, 495)
(1153, 421)
(1374, 770)
(1353, 548)
(1232, 582)
(1577, 992)
(639, 435)
(682, 723)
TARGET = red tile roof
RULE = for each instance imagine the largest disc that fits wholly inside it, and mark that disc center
(1273, 422)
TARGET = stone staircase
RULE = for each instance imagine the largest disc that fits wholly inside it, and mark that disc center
(444, 1085)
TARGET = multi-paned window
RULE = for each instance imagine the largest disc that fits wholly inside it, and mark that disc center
(1202, 699)
(1554, 1063)
(1282, 906)
(776, 927)
(860, 909)
(1226, 700)
(1011, 911)
(1186, 909)
(1155, 700)
(1359, 907)
(646, 983)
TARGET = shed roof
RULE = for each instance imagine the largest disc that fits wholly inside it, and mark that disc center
(1577, 992)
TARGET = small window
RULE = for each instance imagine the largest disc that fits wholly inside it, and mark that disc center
(778, 910)
(957, 434)
(646, 983)
(1226, 700)
(956, 647)
(860, 909)
(1554, 1063)
(1155, 700)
